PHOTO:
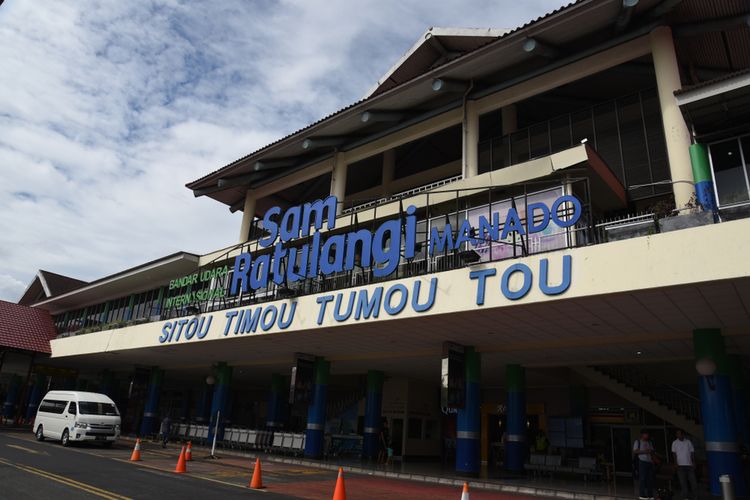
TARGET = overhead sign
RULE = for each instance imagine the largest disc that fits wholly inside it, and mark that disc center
(300, 251)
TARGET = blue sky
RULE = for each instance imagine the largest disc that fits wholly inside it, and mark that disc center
(108, 108)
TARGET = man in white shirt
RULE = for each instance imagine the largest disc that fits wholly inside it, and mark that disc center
(684, 457)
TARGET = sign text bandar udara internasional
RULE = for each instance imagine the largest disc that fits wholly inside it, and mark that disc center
(382, 251)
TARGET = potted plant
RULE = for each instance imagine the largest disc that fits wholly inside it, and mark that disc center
(691, 215)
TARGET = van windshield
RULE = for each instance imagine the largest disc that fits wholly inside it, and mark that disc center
(90, 408)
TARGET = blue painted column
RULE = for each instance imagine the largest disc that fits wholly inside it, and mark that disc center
(276, 402)
(37, 392)
(515, 438)
(717, 408)
(373, 414)
(11, 398)
(150, 423)
(468, 420)
(219, 403)
(201, 404)
(107, 385)
(316, 412)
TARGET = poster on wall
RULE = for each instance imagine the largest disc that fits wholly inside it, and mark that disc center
(551, 238)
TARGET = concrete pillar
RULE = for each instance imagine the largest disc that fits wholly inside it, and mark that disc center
(389, 170)
(373, 414)
(107, 385)
(717, 409)
(509, 116)
(150, 422)
(219, 402)
(12, 397)
(201, 404)
(471, 140)
(248, 214)
(277, 402)
(468, 420)
(338, 181)
(316, 412)
(515, 438)
(675, 131)
(37, 392)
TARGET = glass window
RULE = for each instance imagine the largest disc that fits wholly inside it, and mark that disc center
(72, 410)
(91, 408)
(729, 172)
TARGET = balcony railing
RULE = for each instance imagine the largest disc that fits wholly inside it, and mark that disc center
(464, 204)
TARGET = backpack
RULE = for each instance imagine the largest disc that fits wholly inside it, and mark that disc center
(636, 460)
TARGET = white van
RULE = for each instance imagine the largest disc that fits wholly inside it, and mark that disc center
(77, 416)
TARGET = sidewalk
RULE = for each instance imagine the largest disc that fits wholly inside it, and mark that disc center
(432, 473)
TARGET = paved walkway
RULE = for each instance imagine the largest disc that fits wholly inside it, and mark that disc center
(423, 474)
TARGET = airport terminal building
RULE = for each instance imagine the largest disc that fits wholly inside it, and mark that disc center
(542, 228)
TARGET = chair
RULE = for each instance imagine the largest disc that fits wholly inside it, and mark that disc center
(552, 463)
(536, 462)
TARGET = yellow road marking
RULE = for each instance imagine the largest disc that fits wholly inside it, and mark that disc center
(66, 481)
(19, 447)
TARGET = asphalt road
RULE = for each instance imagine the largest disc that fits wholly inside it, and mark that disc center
(38, 470)
(41, 470)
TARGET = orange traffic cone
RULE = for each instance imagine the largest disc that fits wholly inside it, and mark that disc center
(256, 482)
(189, 452)
(136, 455)
(181, 465)
(340, 492)
(465, 494)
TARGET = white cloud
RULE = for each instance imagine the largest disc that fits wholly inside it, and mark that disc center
(108, 108)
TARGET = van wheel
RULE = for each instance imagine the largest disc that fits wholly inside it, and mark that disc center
(65, 439)
(39, 433)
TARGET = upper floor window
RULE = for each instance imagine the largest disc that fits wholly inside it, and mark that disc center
(730, 163)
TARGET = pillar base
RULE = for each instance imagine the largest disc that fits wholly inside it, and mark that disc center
(467, 456)
(314, 443)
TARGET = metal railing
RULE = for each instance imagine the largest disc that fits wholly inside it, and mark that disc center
(667, 395)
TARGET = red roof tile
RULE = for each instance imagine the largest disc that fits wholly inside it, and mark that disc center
(25, 328)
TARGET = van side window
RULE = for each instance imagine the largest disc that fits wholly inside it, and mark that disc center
(53, 406)
(72, 408)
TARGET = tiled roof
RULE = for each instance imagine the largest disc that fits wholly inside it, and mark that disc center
(25, 328)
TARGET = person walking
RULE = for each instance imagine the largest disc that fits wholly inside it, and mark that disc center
(166, 427)
(643, 450)
(384, 442)
(684, 457)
